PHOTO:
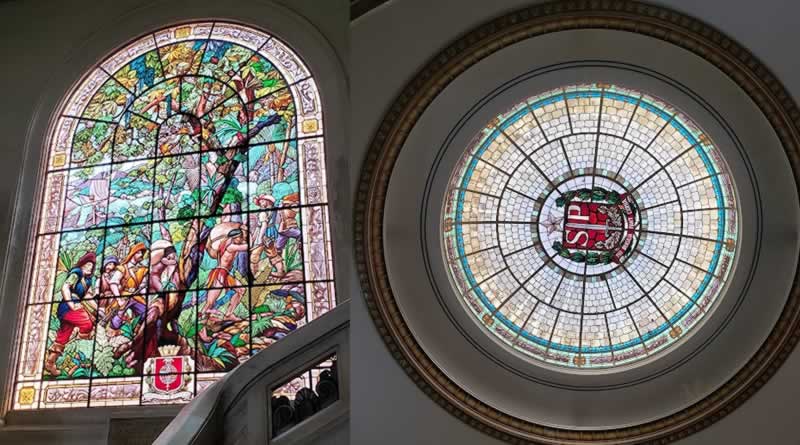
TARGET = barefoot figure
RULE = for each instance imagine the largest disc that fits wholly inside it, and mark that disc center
(275, 229)
(230, 244)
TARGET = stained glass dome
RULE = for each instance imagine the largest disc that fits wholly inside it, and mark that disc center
(590, 226)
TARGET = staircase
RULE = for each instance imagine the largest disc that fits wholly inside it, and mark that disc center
(294, 392)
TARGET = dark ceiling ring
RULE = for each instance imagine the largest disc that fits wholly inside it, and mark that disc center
(678, 29)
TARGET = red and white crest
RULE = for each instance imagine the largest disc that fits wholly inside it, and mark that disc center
(587, 226)
(600, 226)
(168, 379)
(168, 374)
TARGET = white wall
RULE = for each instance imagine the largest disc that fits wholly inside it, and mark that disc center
(388, 46)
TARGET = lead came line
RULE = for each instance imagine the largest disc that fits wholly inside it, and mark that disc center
(552, 331)
(477, 251)
(522, 194)
(158, 53)
(478, 284)
(180, 154)
(141, 116)
(659, 133)
(647, 294)
(492, 165)
(205, 48)
(611, 294)
(696, 267)
(520, 250)
(610, 342)
(566, 106)
(627, 155)
(694, 181)
(639, 250)
(658, 205)
(583, 306)
(536, 166)
(663, 167)
(702, 309)
(549, 302)
(111, 76)
(536, 119)
(680, 235)
(520, 287)
(633, 321)
(495, 222)
(635, 109)
(564, 149)
(478, 193)
(597, 137)
(525, 323)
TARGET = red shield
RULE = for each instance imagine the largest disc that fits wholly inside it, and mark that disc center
(168, 373)
(587, 226)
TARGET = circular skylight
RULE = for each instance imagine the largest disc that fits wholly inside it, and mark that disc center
(590, 226)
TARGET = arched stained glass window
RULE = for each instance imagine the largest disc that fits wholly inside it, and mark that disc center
(590, 226)
(183, 222)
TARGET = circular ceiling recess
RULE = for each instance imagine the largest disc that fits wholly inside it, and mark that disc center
(579, 223)
(590, 226)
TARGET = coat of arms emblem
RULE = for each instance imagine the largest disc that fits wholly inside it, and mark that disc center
(167, 378)
(599, 226)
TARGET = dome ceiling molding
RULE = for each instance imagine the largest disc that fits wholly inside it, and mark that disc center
(737, 63)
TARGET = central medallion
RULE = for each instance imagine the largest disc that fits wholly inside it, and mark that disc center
(585, 225)
(605, 229)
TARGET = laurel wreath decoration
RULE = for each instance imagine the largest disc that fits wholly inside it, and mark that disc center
(593, 194)
(590, 258)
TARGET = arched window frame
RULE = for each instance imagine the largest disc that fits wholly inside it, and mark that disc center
(301, 29)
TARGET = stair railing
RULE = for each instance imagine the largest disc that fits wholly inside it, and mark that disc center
(290, 393)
